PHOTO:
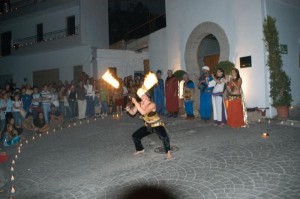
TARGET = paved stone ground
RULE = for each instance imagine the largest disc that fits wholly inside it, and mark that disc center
(94, 160)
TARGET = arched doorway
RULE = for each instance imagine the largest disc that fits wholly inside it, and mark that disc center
(209, 52)
(201, 34)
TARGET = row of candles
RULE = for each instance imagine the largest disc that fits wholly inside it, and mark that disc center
(267, 134)
(34, 137)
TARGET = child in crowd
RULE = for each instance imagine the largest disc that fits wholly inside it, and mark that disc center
(11, 136)
(56, 117)
(18, 111)
(27, 123)
(103, 93)
(97, 103)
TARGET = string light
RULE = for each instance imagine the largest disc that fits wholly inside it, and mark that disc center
(13, 162)
(12, 178)
(12, 169)
(16, 156)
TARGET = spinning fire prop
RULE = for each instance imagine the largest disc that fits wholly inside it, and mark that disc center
(110, 79)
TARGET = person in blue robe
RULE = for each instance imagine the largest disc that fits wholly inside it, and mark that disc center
(206, 86)
(159, 94)
(188, 96)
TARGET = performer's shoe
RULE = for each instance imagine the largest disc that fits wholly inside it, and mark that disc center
(139, 152)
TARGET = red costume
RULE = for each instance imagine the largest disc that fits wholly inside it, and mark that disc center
(171, 91)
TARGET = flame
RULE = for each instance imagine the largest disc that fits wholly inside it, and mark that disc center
(110, 79)
(150, 80)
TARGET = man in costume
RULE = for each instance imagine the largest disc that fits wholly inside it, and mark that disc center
(171, 88)
(159, 94)
(206, 86)
(188, 96)
(153, 124)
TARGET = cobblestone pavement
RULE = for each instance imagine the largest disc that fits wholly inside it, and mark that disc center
(94, 160)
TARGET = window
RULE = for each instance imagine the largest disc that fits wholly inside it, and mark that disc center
(39, 32)
(6, 43)
(71, 25)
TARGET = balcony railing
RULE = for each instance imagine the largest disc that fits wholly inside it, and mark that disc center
(54, 35)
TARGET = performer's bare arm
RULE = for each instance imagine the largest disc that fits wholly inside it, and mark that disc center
(131, 111)
(142, 109)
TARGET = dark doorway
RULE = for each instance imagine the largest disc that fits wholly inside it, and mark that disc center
(71, 25)
(77, 70)
(39, 32)
(45, 77)
(209, 52)
(6, 43)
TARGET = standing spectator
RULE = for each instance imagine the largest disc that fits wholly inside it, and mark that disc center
(131, 89)
(9, 105)
(159, 94)
(171, 86)
(235, 114)
(72, 101)
(217, 98)
(97, 103)
(90, 107)
(61, 99)
(26, 98)
(17, 109)
(81, 100)
(46, 102)
(2, 110)
(104, 99)
(36, 104)
(188, 96)
(54, 99)
(206, 86)
(125, 94)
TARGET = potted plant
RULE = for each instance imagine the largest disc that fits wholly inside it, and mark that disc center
(280, 83)
(227, 66)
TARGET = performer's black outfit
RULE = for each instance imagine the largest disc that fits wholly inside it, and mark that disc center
(153, 124)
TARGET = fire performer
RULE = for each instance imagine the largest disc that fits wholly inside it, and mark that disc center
(153, 124)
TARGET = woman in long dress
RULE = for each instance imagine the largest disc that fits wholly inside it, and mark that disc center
(235, 113)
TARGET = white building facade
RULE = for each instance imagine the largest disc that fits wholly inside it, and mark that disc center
(238, 27)
(235, 24)
(52, 37)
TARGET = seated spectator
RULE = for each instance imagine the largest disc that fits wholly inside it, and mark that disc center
(10, 136)
(12, 122)
(28, 124)
(40, 123)
(56, 117)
